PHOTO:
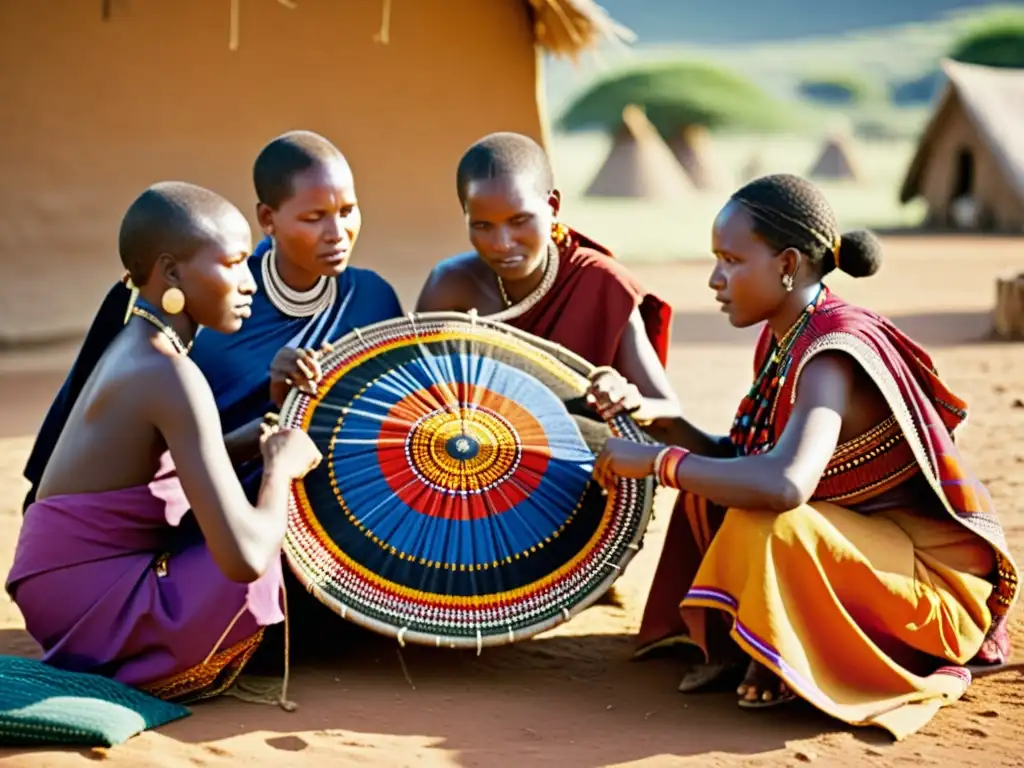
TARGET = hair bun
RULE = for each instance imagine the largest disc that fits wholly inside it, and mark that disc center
(860, 253)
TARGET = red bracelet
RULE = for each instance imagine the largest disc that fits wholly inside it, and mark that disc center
(666, 464)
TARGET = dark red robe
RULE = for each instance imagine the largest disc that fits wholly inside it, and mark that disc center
(587, 308)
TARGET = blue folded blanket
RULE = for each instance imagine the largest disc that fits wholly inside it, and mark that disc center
(41, 705)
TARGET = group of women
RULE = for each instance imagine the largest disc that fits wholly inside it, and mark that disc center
(832, 547)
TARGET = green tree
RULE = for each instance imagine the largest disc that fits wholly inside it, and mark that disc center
(998, 42)
(676, 96)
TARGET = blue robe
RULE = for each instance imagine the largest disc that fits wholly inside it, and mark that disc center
(237, 365)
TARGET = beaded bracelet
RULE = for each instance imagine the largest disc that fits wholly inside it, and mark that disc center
(666, 464)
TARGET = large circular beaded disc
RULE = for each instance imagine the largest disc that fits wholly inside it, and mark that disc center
(455, 505)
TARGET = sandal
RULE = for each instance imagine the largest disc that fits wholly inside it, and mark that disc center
(771, 690)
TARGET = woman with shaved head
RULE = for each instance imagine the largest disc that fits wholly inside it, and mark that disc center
(141, 557)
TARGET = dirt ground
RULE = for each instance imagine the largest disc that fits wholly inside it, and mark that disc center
(572, 697)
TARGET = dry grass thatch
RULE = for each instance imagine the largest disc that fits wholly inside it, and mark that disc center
(993, 100)
(560, 27)
(568, 27)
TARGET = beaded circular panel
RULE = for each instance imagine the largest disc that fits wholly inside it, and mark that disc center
(455, 505)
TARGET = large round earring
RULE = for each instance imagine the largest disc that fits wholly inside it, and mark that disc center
(173, 301)
(559, 232)
(787, 282)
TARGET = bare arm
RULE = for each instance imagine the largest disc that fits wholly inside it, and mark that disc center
(243, 539)
(636, 359)
(786, 476)
(638, 362)
(781, 479)
(290, 368)
(679, 431)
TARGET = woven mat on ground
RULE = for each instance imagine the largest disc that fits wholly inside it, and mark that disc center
(42, 705)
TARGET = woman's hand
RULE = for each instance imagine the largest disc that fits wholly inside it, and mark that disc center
(299, 368)
(610, 394)
(289, 451)
(624, 458)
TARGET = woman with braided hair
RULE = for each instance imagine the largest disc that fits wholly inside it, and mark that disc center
(834, 545)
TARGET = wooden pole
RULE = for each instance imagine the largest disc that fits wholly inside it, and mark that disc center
(1008, 318)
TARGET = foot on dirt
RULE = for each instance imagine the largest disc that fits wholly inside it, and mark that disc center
(762, 688)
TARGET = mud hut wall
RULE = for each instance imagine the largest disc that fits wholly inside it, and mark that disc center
(96, 110)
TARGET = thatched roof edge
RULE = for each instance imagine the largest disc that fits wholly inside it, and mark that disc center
(570, 27)
(991, 99)
(560, 27)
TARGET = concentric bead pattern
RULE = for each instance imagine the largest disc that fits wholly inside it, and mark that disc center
(461, 451)
(455, 505)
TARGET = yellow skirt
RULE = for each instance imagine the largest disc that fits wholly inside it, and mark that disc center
(868, 617)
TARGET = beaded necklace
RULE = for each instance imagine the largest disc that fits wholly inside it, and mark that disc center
(559, 247)
(290, 301)
(153, 319)
(514, 310)
(548, 277)
(752, 429)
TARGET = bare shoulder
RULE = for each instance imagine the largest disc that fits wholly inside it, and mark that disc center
(453, 284)
(175, 387)
(828, 371)
(463, 266)
(826, 381)
(829, 365)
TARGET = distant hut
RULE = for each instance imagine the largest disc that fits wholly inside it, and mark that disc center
(639, 164)
(692, 149)
(753, 169)
(969, 164)
(835, 161)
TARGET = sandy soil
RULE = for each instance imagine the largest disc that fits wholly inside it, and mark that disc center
(572, 697)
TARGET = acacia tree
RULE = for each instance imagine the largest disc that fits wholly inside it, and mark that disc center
(675, 96)
(683, 101)
(998, 42)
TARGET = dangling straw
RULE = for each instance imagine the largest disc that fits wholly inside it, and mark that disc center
(247, 689)
(223, 636)
(233, 29)
(233, 33)
(384, 35)
(285, 704)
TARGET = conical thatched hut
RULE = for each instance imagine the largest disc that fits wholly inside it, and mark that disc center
(754, 168)
(103, 99)
(835, 161)
(639, 163)
(691, 146)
